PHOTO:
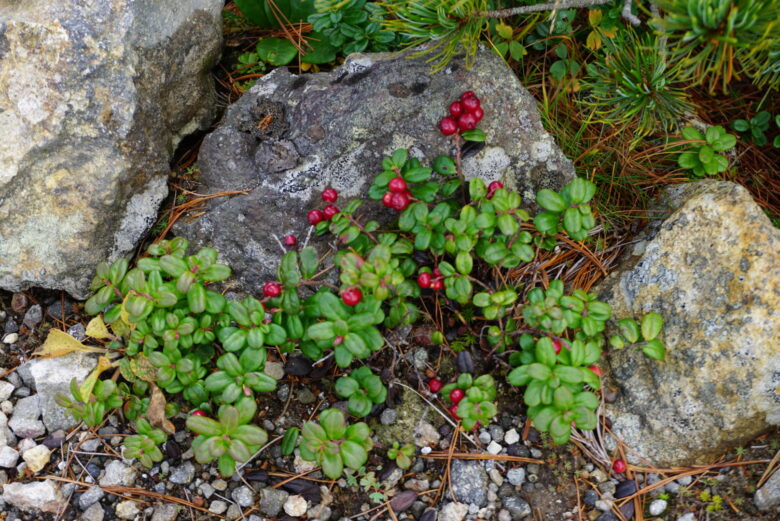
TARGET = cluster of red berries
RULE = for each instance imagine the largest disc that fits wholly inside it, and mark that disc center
(433, 280)
(464, 114)
(329, 195)
(398, 197)
(456, 395)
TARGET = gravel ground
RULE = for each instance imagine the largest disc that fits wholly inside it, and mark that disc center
(87, 478)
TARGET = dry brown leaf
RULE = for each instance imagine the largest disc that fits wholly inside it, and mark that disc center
(156, 411)
(59, 343)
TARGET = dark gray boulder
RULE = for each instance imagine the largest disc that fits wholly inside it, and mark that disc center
(94, 97)
(289, 137)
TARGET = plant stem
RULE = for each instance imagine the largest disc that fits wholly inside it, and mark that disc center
(552, 6)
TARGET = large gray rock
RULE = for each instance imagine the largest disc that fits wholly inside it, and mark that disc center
(291, 136)
(43, 496)
(712, 270)
(52, 376)
(94, 96)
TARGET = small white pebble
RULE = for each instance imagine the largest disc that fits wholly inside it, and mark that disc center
(657, 507)
(425, 450)
(10, 338)
(511, 436)
(494, 448)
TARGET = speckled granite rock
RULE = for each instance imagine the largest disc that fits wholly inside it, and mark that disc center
(332, 129)
(94, 96)
(44, 496)
(712, 269)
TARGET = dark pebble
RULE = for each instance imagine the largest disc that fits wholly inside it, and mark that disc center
(518, 450)
(172, 450)
(310, 491)
(428, 515)
(11, 326)
(56, 309)
(93, 470)
(471, 148)
(607, 516)
(298, 366)
(403, 500)
(465, 362)
(387, 471)
(445, 430)
(54, 440)
(625, 488)
(628, 510)
(256, 475)
(591, 496)
(319, 371)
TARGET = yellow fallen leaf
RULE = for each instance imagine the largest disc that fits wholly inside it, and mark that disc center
(155, 413)
(97, 329)
(59, 343)
(89, 382)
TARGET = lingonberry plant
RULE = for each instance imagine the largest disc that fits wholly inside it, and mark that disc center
(448, 249)
(334, 445)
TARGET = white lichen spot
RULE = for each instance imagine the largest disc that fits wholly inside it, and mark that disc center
(490, 164)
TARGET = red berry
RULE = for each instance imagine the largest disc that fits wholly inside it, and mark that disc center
(387, 199)
(437, 285)
(448, 126)
(492, 187)
(456, 109)
(596, 370)
(471, 104)
(329, 195)
(272, 289)
(197, 412)
(456, 395)
(338, 340)
(467, 121)
(436, 272)
(478, 113)
(397, 185)
(399, 201)
(424, 280)
(434, 385)
(454, 411)
(352, 296)
(330, 211)
(619, 466)
(290, 240)
(467, 94)
(557, 346)
(314, 217)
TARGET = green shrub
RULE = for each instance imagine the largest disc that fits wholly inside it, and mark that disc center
(334, 445)
(705, 158)
(632, 85)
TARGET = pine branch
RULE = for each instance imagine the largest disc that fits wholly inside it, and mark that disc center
(523, 9)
